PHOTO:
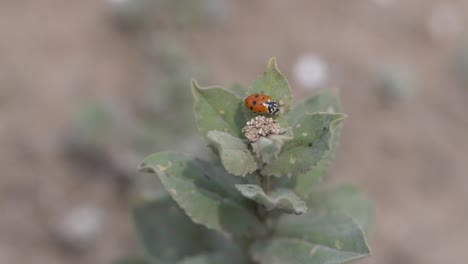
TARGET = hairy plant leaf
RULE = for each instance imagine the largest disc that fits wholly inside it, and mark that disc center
(268, 148)
(273, 83)
(223, 178)
(166, 232)
(282, 199)
(234, 154)
(326, 101)
(312, 238)
(311, 142)
(240, 90)
(304, 183)
(215, 258)
(346, 199)
(218, 109)
(202, 197)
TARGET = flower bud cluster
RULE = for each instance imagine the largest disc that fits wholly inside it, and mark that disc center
(260, 126)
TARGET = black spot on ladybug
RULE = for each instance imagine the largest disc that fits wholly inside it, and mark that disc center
(310, 144)
(254, 102)
(263, 97)
(256, 96)
(251, 108)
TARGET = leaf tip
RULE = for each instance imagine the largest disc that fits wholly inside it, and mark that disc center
(367, 250)
(143, 167)
(195, 89)
(339, 118)
(195, 84)
(272, 64)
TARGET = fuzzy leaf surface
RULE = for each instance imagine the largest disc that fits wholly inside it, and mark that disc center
(214, 258)
(304, 183)
(268, 148)
(346, 199)
(218, 109)
(281, 199)
(234, 154)
(204, 197)
(272, 83)
(312, 141)
(312, 239)
(325, 101)
(166, 232)
(240, 90)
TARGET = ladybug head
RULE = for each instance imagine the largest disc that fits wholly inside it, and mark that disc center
(272, 107)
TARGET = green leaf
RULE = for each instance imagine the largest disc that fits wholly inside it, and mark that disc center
(311, 142)
(346, 199)
(218, 109)
(234, 154)
(203, 197)
(222, 177)
(214, 258)
(147, 188)
(240, 90)
(281, 199)
(314, 239)
(166, 232)
(326, 101)
(273, 83)
(268, 148)
(304, 183)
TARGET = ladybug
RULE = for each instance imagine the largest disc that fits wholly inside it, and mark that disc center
(261, 103)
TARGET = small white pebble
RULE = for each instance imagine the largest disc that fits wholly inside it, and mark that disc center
(311, 72)
(79, 228)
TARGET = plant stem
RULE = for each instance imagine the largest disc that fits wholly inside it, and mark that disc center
(267, 186)
(265, 182)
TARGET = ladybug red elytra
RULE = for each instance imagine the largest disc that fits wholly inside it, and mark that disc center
(261, 104)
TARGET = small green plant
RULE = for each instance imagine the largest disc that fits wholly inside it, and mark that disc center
(260, 198)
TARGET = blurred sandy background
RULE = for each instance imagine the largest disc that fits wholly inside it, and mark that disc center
(87, 89)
